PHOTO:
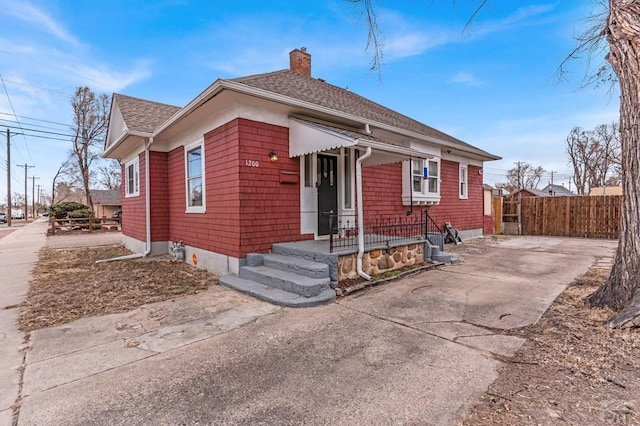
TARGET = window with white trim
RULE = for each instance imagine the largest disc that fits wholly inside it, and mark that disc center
(194, 177)
(425, 188)
(464, 182)
(132, 178)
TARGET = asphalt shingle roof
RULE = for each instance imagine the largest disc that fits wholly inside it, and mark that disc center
(294, 85)
(142, 115)
(106, 197)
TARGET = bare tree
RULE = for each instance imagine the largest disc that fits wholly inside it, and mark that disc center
(110, 175)
(594, 156)
(63, 173)
(621, 291)
(618, 37)
(525, 176)
(90, 115)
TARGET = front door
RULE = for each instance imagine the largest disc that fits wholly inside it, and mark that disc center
(327, 191)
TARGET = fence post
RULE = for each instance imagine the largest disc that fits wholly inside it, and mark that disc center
(52, 220)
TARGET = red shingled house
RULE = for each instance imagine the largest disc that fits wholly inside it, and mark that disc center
(256, 175)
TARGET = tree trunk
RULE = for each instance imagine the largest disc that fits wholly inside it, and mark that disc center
(621, 291)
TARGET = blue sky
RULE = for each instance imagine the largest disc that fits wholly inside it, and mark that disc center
(492, 85)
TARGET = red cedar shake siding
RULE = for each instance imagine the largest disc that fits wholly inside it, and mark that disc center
(269, 209)
(382, 194)
(133, 221)
(247, 208)
(159, 196)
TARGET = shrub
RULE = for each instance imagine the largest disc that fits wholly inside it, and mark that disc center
(79, 214)
(62, 210)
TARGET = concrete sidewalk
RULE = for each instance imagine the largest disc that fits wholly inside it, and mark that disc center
(418, 350)
(18, 255)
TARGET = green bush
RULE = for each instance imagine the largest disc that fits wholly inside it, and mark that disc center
(79, 214)
(62, 210)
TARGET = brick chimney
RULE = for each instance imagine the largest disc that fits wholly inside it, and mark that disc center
(300, 61)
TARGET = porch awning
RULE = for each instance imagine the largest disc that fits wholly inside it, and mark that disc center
(307, 137)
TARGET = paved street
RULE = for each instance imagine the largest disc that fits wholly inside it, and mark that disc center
(418, 350)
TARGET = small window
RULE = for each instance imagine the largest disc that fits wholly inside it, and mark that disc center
(417, 175)
(434, 177)
(464, 182)
(308, 170)
(132, 178)
(348, 187)
(195, 184)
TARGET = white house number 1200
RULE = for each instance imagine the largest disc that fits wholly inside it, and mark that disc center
(251, 163)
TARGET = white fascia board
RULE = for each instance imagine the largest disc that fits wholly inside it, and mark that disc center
(123, 136)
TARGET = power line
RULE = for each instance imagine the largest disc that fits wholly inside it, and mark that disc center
(39, 88)
(37, 119)
(15, 115)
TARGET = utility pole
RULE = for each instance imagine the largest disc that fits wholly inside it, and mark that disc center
(33, 196)
(39, 199)
(551, 191)
(9, 134)
(26, 205)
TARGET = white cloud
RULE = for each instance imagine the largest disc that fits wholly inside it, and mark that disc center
(102, 78)
(466, 79)
(520, 18)
(41, 20)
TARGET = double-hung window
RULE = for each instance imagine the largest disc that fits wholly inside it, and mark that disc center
(425, 187)
(194, 176)
(132, 178)
(464, 182)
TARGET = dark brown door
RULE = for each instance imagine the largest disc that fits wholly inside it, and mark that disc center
(327, 191)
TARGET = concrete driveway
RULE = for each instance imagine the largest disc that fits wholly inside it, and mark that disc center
(415, 351)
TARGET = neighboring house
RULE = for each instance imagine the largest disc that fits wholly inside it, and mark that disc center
(104, 202)
(264, 159)
(531, 192)
(606, 190)
(557, 191)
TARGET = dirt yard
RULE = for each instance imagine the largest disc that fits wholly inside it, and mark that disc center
(571, 371)
(67, 284)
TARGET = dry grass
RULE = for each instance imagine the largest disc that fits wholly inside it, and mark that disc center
(572, 370)
(67, 284)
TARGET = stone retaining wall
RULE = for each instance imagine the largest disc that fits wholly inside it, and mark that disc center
(377, 262)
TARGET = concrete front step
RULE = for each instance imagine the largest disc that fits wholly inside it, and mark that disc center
(283, 280)
(296, 265)
(298, 250)
(275, 295)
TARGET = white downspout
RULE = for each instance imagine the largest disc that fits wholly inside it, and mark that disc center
(147, 190)
(359, 161)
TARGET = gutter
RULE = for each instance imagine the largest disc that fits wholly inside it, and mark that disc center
(359, 161)
(147, 188)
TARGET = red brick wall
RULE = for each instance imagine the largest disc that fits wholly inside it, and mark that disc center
(382, 193)
(133, 208)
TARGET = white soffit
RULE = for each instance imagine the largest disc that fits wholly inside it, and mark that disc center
(308, 138)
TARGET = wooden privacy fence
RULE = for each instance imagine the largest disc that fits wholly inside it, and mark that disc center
(579, 216)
